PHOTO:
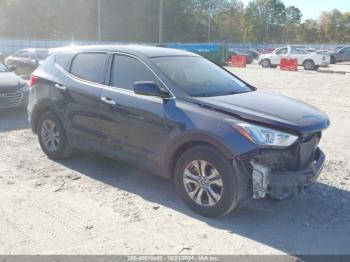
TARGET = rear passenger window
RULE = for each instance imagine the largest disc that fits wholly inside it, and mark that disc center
(64, 60)
(128, 70)
(89, 66)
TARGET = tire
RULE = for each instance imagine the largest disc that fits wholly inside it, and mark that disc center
(309, 65)
(266, 63)
(273, 66)
(333, 60)
(234, 183)
(59, 148)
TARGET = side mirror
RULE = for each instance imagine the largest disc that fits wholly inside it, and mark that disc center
(148, 88)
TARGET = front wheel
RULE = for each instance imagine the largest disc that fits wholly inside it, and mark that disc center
(207, 182)
(266, 63)
(52, 138)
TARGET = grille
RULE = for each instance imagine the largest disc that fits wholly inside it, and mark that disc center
(10, 99)
(308, 149)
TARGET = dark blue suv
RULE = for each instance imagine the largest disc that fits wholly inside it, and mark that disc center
(178, 115)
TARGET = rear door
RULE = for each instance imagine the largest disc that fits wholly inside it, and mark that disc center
(78, 94)
(134, 124)
(346, 54)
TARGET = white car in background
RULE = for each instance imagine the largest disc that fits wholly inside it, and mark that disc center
(310, 61)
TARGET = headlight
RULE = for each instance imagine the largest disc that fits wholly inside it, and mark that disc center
(25, 88)
(264, 136)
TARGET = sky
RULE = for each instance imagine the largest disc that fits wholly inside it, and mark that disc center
(313, 8)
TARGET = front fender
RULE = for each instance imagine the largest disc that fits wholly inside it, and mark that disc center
(230, 146)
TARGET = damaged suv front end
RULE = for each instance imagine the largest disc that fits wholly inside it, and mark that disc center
(284, 164)
(282, 138)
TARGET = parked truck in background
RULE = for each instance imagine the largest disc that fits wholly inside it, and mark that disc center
(310, 61)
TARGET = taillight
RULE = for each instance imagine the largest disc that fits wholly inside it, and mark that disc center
(33, 80)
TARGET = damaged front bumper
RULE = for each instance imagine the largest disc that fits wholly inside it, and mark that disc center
(283, 184)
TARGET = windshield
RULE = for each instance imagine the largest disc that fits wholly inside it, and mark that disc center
(3, 68)
(199, 77)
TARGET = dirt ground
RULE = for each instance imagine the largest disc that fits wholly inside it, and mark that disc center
(93, 205)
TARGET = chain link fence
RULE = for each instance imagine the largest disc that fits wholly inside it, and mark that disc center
(9, 46)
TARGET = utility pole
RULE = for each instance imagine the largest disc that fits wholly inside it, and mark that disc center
(209, 23)
(161, 18)
(267, 31)
(99, 19)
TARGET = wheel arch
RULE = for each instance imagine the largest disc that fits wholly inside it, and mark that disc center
(38, 110)
(267, 59)
(309, 59)
(189, 141)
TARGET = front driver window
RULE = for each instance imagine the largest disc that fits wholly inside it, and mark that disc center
(127, 70)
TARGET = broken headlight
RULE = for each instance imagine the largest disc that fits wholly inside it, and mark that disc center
(265, 136)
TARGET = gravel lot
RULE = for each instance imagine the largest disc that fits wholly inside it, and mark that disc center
(92, 205)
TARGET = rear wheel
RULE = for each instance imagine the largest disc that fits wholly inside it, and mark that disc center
(207, 182)
(333, 60)
(266, 63)
(309, 65)
(52, 138)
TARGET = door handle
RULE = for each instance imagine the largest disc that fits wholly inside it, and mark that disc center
(108, 101)
(60, 87)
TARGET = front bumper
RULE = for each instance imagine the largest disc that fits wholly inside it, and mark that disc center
(265, 181)
(16, 99)
(299, 178)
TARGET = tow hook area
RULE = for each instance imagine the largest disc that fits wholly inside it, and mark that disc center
(261, 179)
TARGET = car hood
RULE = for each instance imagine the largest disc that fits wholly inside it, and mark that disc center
(270, 109)
(9, 81)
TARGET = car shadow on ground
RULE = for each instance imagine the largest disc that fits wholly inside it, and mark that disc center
(316, 222)
(14, 119)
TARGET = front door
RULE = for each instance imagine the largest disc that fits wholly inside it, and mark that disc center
(276, 57)
(135, 125)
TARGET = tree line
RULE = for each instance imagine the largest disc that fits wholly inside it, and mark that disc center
(261, 21)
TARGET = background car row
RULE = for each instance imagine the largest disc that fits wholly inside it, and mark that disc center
(14, 73)
(17, 68)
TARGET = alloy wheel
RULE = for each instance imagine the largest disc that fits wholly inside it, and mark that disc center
(309, 65)
(50, 135)
(203, 183)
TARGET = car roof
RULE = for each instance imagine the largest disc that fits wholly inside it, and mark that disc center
(137, 50)
(34, 49)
